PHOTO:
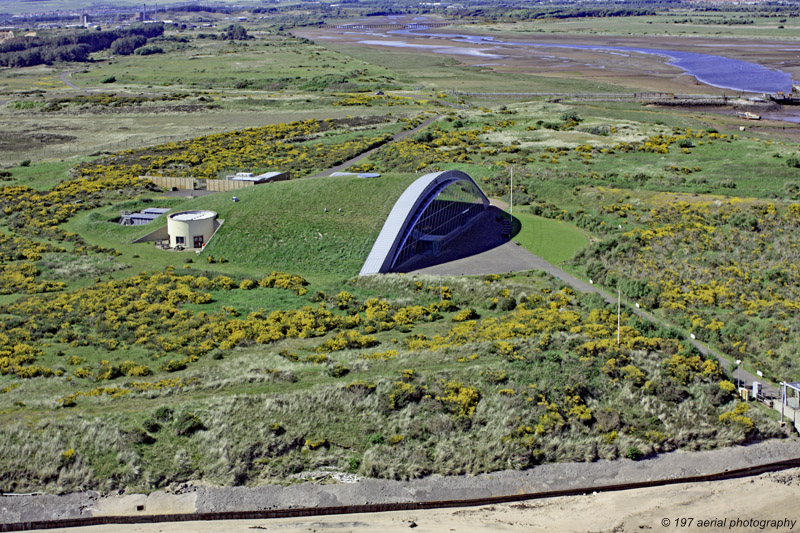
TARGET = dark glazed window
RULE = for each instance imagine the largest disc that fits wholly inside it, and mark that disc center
(444, 212)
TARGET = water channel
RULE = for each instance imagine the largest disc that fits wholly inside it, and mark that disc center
(714, 70)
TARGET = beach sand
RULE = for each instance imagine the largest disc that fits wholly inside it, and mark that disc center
(766, 497)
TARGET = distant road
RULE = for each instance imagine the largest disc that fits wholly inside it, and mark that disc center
(63, 77)
(397, 137)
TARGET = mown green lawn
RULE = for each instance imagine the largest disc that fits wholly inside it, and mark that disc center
(552, 240)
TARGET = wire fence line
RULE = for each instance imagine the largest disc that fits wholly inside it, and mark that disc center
(51, 150)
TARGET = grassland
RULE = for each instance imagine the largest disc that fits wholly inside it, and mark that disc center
(551, 240)
(283, 226)
(271, 62)
(136, 368)
(673, 23)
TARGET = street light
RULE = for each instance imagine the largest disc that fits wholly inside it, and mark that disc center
(511, 197)
(738, 362)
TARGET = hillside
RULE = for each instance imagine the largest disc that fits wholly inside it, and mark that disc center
(264, 358)
(285, 225)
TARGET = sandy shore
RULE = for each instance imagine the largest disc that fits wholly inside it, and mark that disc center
(762, 498)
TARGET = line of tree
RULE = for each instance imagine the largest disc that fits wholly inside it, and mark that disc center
(29, 51)
(581, 12)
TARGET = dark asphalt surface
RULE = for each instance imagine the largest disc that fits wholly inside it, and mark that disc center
(397, 137)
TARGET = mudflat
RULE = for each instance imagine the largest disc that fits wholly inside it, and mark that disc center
(645, 72)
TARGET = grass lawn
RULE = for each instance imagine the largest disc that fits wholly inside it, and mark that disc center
(268, 62)
(44, 176)
(552, 240)
(258, 234)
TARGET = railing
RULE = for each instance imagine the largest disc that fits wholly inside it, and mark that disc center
(788, 413)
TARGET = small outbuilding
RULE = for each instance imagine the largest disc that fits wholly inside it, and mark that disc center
(266, 177)
(156, 210)
(191, 229)
(142, 217)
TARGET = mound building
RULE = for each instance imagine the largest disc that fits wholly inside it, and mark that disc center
(440, 217)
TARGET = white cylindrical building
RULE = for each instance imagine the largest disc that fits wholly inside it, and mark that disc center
(191, 229)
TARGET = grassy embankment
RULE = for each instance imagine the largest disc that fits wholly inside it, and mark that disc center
(280, 226)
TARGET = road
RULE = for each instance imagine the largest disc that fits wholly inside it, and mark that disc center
(397, 137)
(63, 77)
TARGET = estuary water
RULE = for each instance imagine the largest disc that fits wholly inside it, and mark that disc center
(714, 70)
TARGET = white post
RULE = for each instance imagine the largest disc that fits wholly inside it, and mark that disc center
(783, 399)
(511, 200)
(738, 385)
(619, 305)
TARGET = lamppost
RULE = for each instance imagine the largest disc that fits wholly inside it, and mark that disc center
(738, 362)
(511, 196)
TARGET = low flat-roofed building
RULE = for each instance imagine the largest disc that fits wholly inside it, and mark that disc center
(156, 210)
(145, 216)
(266, 177)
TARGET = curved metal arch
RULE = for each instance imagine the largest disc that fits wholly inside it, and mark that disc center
(405, 213)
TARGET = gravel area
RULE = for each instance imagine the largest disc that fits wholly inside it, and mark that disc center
(188, 498)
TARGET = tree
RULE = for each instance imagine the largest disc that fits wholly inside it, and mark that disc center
(235, 32)
(127, 45)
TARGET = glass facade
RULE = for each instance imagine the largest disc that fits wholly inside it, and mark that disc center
(445, 211)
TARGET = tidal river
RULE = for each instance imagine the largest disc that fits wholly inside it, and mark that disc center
(718, 71)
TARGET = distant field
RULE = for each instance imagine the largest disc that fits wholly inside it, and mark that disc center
(673, 23)
(25, 6)
(269, 62)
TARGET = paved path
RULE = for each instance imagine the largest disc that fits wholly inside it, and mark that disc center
(397, 137)
(63, 77)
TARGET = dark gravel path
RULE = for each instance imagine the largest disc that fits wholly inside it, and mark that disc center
(397, 137)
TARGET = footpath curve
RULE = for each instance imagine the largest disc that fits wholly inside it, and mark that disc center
(364, 155)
